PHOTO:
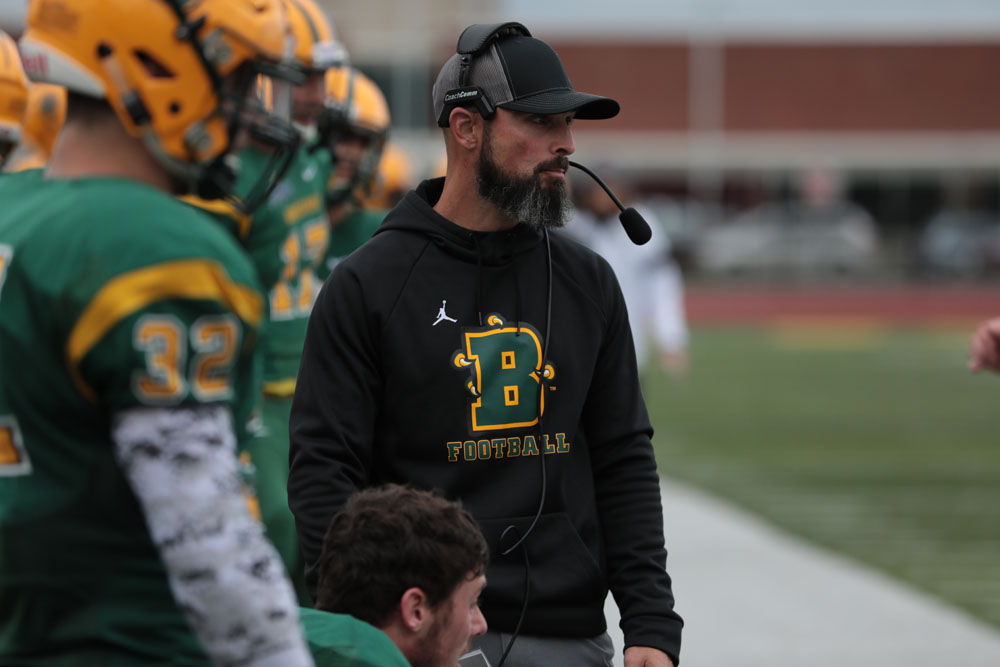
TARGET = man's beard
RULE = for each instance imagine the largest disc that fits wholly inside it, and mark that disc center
(524, 200)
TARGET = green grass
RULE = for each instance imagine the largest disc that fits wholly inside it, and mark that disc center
(879, 445)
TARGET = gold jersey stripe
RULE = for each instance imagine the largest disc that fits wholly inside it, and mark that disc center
(221, 207)
(132, 291)
(280, 388)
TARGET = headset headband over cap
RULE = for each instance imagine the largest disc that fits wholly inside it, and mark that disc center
(502, 65)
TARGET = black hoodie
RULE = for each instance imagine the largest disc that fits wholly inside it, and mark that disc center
(419, 366)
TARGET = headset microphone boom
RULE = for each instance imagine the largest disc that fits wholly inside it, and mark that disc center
(635, 226)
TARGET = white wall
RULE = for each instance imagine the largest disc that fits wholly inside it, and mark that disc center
(765, 18)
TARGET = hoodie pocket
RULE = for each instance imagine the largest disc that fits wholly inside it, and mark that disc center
(562, 570)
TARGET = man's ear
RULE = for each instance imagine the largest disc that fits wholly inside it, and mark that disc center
(466, 127)
(414, 609)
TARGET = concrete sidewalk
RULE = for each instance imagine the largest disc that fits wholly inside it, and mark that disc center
(753, 596)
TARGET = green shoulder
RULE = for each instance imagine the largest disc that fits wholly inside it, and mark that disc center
(340, 640)
(136, 226)
(224, 212)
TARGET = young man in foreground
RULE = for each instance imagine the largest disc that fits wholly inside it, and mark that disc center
(410, 563)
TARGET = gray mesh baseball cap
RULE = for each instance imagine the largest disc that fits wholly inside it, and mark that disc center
(517, 72)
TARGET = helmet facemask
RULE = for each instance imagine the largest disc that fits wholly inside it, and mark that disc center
(358, 184)
(254, 102)
(356, 111)
(6, 148)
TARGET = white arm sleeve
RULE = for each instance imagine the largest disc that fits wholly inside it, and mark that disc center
(224, 574)
(669, 320)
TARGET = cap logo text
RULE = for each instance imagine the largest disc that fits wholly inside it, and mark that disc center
(453, 95)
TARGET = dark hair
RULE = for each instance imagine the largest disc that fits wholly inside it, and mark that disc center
(391, 538)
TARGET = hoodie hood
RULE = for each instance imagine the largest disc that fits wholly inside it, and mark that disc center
(415, 213)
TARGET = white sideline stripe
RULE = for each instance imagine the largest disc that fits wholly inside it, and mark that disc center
(752, 595)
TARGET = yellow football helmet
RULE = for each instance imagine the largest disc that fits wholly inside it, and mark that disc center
(13, 96)
(393, 179)
(316, 48)
(357, 112)
(177, 73)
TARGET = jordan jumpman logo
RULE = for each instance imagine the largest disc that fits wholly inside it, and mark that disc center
(443, 315)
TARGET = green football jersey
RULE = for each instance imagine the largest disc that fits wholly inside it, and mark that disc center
(339, 640)
(348, 236)
(112, 296)
(286, 238)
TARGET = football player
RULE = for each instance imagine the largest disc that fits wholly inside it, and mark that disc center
(393, 178)
(354, 129)
(128, 321)
(286, 236)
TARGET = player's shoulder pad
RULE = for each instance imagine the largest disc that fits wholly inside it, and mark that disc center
(222, 208)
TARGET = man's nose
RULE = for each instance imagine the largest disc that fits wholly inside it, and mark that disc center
(478, 623)
(564, 144)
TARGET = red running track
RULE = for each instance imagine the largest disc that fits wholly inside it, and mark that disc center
(895, 304)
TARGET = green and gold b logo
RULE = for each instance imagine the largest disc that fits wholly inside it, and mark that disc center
(504, 364)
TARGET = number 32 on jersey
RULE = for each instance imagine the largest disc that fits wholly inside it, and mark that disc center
(168, 377)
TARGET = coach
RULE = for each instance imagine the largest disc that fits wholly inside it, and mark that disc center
(465, 347)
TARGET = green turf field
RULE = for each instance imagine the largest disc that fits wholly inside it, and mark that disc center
(877, 443)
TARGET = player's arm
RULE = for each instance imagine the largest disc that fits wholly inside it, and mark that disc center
(333, 413)
(167, 350)
(225, 576)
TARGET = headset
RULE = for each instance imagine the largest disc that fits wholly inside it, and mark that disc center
(474, 40)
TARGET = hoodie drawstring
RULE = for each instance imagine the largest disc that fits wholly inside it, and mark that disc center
(479, 279)
(517, 297)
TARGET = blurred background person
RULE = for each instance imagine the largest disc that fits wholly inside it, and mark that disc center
(354, 128)
(410, 563)
(962, 238)
(650, 278)
(283, 227)
(13, 97)
(393, 179)
(43, 119)
(821, 204)
(813, 230)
